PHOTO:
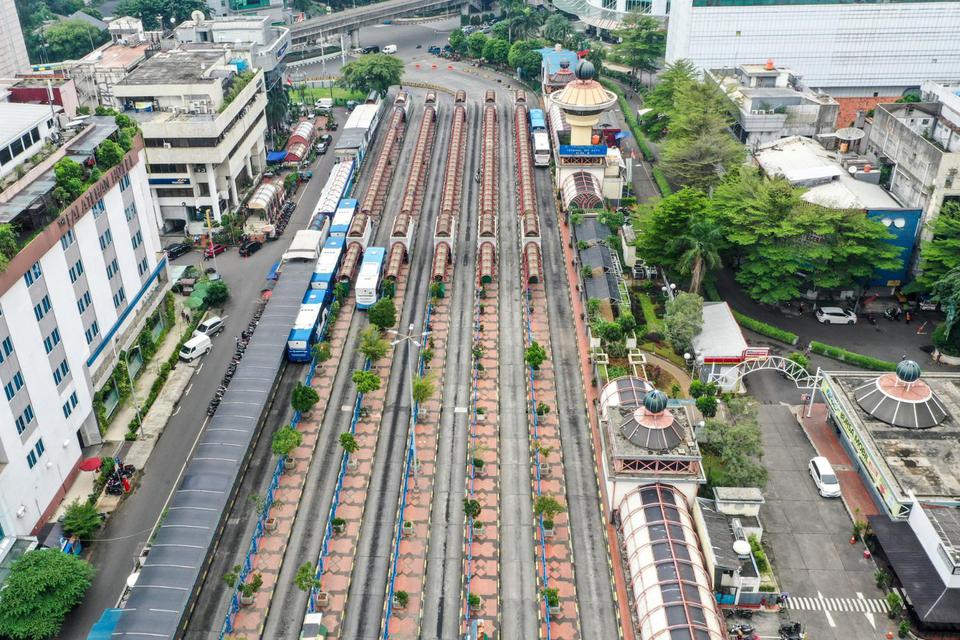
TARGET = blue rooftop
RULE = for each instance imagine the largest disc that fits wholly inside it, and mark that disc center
(552, 58)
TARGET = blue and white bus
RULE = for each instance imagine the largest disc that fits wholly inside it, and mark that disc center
(306, 328)
(368, 280)
(538, 121)
(325, 272)
(342, 218)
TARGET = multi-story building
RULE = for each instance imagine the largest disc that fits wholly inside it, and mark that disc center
(918, 144)
(253, 38)
(83, 285)
(23, 130)
(13, 51)
(609, 14)
(768, 103)
(203, 119)
(858, 52)
(97, 72)
(45, 88)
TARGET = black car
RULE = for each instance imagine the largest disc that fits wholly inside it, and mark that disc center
(177, 249)
(249, 248)
(371, 49)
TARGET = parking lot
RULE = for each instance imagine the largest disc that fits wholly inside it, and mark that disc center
(831, 584)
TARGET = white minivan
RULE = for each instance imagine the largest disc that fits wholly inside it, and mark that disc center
(195, 347)
(390, 48)
(824, 477)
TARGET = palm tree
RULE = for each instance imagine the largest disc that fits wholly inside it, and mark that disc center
(522, 20)
(699, 251)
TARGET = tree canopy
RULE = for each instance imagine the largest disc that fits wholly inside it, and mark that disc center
(383, 313)
(71, 39)
(662, 99)
(148, 10)
(735, 447)
(940, 254)
(683, 320)
(643, 41)
(557, 29)
(496, 51)
(524, 55)
(43, 586)
(458, 41)
(475, 43)
(374, 72)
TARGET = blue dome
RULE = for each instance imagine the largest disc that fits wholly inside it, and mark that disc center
(585, 70)
(655, 401)
(908, 371)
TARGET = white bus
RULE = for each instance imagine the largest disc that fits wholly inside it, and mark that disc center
(541, 149)
(368, 280)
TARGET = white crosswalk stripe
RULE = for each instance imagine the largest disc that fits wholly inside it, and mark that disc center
(865, 605)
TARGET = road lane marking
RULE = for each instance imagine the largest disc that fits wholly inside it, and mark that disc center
(187, 392)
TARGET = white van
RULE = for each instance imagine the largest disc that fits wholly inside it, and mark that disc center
(390, 48)
(195, 347)
(824, 477)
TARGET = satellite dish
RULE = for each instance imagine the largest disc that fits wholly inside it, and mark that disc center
(850, 134)
(741, 548)
(197, 16)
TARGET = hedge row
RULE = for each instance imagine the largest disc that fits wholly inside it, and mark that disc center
(765, 329)
(862, 361)
(650, 313)
(631, 119)
(661, 181)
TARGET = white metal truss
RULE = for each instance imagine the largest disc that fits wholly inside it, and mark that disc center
(793, 371)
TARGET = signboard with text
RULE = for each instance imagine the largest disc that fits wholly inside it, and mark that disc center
(583, 150)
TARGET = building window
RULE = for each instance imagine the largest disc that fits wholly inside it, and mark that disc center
(137, 239)
(125, 182)
(98, 208)
(24, 419)
(60, 372)
(31, 459)
(33, 274)
(7, 346)
(42, 308)
(51, 340)
(40, 448)
(67, 239)
(76, 271)
(15, 384)
(73, 399)
(106, 239)
(118, 298)
(9, 391)
(143, 267)
(113, 268)
(92, 332)
(67, 409)
(130, 211)
(84, 301)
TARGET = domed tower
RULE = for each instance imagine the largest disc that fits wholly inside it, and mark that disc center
(901, 398)
(582, 101)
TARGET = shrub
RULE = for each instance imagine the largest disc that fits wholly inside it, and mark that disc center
(303, 398)
(707, 405)
(800, 359)
(402, 597)
(697, 389)
(81, 519)
(542, 408)
(474, 600)
(217, 294)
(661, 181)
(348, 442)
(471, 509)
(383, 313)
(860, 360)
(366, 381)
(285, 440)
(535, 355)
(759, 554)
(765, 329)
(321, 352)
(552, 597)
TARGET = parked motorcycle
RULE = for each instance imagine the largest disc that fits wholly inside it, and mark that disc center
(893, 314)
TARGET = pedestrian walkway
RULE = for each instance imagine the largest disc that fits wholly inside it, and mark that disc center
(851, 605)
(404, 624)
(825, 439)
(269, 559)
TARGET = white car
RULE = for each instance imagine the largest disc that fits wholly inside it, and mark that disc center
(835, 315)
(823, 476)
(209, 327)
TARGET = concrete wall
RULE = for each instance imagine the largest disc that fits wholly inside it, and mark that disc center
(930, 541)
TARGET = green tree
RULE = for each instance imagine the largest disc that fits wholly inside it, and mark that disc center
(946, 291)
(942, 253)
(9, 245)
(707, 405)
(173, 12)
(72, 39)
(81, 519)
(383, 313)
(475, 44)
(643, 41)
(366, 381)
(557, 29)
(374, 72)
(278, 104)
(524, 55)
(548, 507)
(667, 220)
(736, 446)
(306, 578)
(683, 320)
(285, 440)
(43, 586)
(349, 443)
(535, 355)
(303, 398)
(70, 181)
(217, 294)
(662, 99)
(108, 154)
(372, 345)
(321, 352)
(496, 51)
(422, 389)
(522, 19)
(458, 41)
(699, 250)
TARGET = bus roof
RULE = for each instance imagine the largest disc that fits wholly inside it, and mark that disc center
(334, 243)
(314, 296)
(328, 261)
(307, 318)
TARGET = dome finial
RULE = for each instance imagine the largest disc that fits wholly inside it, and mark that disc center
(655, 402)
(585, 70)
(908, 371)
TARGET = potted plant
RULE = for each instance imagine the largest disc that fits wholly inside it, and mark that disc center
(543, 408)
(285, 440)
(249, 589)
(476, 604)
(471, 508)
(552, 599)
(481, 414)
(478, 466)
(904, 629)
(323, 600)
(548, 507)
(351, 446)
(339, 525)
(269, 521)
(478, 529)
(400, 599)
(894, 604)
(544, 452)
(408, 528)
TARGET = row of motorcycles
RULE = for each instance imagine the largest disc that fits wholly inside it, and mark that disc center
(242, 340)
(787, 631)
(893, 314)
(285, 212)
(118, 483)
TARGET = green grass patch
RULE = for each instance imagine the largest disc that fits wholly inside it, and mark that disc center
(765, 329)
(661, 181)
(666, 353)
(650, 318)
(311, 94)
(858, 359)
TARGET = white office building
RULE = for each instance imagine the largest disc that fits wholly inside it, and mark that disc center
(86, 281)
(13, 51)
(609, 14)
(203, 119)
(23, 130)
(864, 48)
(253, 38)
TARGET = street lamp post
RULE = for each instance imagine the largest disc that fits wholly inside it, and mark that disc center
(411, 339)
(133, 389)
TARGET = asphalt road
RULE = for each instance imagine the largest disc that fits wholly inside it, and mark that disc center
(130, 525)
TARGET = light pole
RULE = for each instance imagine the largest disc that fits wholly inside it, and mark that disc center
(411, 338)
(668, 290)
(133, 389)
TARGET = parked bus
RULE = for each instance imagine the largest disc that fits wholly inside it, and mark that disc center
(343, 217)
(368, 280)
(306, 328)
(325, 273)
(541, 149)
(538, 121)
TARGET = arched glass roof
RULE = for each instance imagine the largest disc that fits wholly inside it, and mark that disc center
(582, 189)
(671, 587)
